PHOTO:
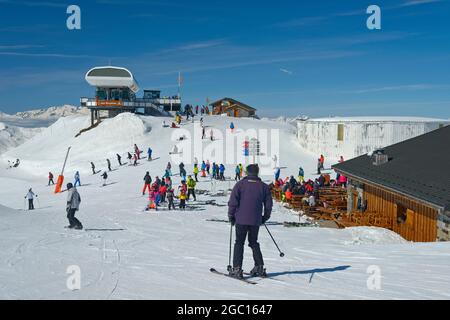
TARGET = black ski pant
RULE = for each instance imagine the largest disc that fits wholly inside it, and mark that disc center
(171, 205)
(241, 234)
(196, 177)
(238, 177)
(73, 222)
(191, 192)
(182, 204)
(30, 204)
(50, 181)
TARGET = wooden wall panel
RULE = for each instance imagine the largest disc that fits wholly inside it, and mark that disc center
(421, 226)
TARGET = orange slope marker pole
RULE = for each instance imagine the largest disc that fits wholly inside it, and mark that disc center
(60, 181)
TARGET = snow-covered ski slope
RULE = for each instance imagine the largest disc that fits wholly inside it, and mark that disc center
(132, 254)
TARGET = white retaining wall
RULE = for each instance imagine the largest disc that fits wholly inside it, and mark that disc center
(361, 136)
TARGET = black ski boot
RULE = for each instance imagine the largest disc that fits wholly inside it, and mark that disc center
(78, 227)
(258, 271)
(237, 273)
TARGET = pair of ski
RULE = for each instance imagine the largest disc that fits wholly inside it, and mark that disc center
(245, 279)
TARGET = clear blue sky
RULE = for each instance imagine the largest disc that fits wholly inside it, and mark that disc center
(313, 58)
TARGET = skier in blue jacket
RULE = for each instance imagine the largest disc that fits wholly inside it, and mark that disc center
(77, 179)
(238, 173)
(222, 171)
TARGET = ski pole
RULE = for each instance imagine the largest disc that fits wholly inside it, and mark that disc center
(229, 252)
(38, 202)
(281, 253)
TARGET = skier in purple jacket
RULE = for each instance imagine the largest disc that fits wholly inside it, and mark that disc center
(249, 207)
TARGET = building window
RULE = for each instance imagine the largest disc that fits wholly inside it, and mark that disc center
(340, 133)
(401, 214)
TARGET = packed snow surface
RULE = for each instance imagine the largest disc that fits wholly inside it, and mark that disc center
(133, 254)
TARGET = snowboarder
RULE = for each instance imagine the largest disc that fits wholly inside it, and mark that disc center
(247, 214)
(109, 165)
(119, 159)
(196, 171)
(149, 153)
(30, 196)
(105, 178)
(50, 178)
(191, 188)
(147, 183)
(73, 205)
(238, 174)
(170, 197)
(77, 179)
(93, 168)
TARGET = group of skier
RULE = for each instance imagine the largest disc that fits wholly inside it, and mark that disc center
(249, 206)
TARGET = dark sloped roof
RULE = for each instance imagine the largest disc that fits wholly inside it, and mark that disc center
(419, 167)
(235, 102)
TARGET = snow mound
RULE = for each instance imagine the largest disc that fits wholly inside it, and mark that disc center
(11, 136)
(46, 151)
(372, 235)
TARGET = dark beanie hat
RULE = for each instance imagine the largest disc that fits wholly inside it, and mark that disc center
(69, 186)
(253, 170)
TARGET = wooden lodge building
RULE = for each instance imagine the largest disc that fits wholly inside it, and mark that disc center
(232, 108)
(406, 185)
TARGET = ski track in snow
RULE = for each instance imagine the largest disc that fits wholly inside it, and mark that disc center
(168, 254)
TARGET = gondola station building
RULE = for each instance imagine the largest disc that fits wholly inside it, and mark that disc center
(115, 92)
